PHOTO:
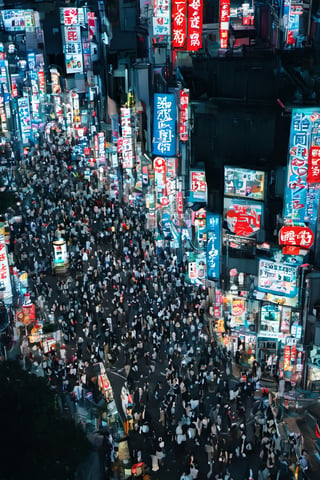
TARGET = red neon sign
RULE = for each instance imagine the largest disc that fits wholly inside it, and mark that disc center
(314, 165)
(183, 124)
(297, 236)
(224, 22)
(179, 23)
(194, 39)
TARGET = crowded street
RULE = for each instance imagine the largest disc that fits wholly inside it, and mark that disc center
(123, 308)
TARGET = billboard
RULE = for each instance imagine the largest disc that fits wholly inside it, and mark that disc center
(241, 182)
(198, 186)
(304, 133)
(277, 278)
(164, 126)
(242, 218)
(213, 245)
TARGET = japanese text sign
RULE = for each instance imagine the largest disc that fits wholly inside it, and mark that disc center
(277, 278)
(184, 115)
(224, 17)
(25, 119)
(314, 164)
(305, 130)
(5, 284)
(241, 182)
(299, 236)
(178, 23)
(127, 138)
(70, 16)
(164, 129)
(213, 245)
(198, 186)
(242, 219)
(72, 34)
(194, 38)
(161, 17)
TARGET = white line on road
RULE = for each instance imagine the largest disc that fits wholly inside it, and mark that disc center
(118, 374)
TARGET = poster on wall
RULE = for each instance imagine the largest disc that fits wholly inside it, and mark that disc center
(164, 126)
(242, 218)
(241, 182)
(277, 278)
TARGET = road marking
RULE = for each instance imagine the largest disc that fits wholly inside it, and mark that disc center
(118, 374)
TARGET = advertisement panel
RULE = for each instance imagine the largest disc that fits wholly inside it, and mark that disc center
(298, 236)
(277, 278)
(159, 167)
(304, 133)
(101, 154)
(270, 320)
(161, 17)
(213, 245)
(196, 268)
(314, 164)
(198, 186)
(184, 115)
(25, 120)
(127, 138)
(242, 12)
(74, 63)
(224, 16)
(242, 218)
(178, 23)
(5, 284)
(69, 16)
(72, 34)
(241, 182)
(164, 127)
(42, 81)
(18, 20)
(195, 15)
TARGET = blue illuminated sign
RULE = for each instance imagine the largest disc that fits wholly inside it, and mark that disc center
(164, 126)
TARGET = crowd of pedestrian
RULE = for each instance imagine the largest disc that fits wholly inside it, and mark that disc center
(125, 302)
